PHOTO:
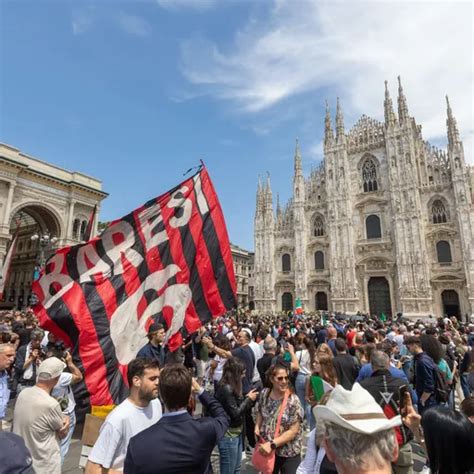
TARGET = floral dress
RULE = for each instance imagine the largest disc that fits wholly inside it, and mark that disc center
(269, 410)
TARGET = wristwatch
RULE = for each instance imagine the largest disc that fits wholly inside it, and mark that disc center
(273, 445)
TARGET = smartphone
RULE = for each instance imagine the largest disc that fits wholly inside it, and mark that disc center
(402, 391)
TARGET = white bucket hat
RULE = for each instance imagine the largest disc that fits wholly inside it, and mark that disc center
(355, 410)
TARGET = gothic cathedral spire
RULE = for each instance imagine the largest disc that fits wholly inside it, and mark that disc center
(402, 104)
(328, 131)
(453, 132)
(390, 117)
(339, 123)
(298, 167)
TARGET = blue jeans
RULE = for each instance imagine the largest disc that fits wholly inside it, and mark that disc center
(66, 442)
(300, 387)
(465, 385)
(230, 454)
(431, 402)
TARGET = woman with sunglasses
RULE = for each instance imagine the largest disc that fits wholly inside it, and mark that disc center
(287, 442)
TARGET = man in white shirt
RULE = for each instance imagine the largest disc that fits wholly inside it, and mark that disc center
(38, 419)
(62, 392)
(138, 412)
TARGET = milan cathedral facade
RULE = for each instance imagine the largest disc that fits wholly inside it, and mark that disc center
(384, 225)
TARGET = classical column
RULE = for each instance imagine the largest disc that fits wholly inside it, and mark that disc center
(95, 225)
(8, 206)
(69, 220)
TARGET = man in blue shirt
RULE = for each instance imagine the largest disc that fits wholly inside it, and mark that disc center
(154, 349)
(7, 356)
(425, 378)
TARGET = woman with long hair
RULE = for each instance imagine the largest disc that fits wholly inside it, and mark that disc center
(305, 358)
(324, 349)
(286, 443)
(317, 385)
(229, 394)
(327, 371)
(447, 437)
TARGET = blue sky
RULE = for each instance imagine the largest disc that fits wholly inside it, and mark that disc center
(137, 92)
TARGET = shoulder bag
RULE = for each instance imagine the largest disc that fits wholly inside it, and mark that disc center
(262, 463)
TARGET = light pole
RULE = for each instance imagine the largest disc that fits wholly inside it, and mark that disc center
(45, 240)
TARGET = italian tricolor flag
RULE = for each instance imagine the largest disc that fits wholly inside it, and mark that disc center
(298, 306)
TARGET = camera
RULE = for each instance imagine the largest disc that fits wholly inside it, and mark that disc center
(59, 350)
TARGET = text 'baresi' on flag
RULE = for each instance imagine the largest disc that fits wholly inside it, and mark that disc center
(168, 261)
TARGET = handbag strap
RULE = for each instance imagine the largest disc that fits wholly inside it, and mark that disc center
(280, 415)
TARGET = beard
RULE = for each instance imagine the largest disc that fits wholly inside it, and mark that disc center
(148, 395)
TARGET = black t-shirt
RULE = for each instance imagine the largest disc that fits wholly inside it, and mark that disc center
(346, 370)
(263, 365)
(245, 354)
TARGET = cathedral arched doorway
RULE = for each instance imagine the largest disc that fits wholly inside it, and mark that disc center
(451, 305)
(321, 302)
(287, 301)
(29, 253)
(379, 296)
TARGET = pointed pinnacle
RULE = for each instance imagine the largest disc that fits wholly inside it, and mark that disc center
(450, 112)
(297, 148)
(402, 103)
(328, 131)
(339, 120)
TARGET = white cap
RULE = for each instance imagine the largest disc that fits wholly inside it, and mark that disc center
(50, 368)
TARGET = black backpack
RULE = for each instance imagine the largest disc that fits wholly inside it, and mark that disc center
(442, 388)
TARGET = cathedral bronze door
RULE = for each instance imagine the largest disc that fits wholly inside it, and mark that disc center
(451, 306)
(379, 297)
(321, 301)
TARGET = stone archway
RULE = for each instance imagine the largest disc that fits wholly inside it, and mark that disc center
(45, 218)
(451, 303)
(27, 221)
(379, 296)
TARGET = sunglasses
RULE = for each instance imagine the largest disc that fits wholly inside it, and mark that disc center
(281, 379)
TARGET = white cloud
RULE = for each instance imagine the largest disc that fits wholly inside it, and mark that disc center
(348, 48)
(133, 24)
(176, 5)
(82, 19)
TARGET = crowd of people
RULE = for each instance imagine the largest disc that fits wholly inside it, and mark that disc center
(357, 391)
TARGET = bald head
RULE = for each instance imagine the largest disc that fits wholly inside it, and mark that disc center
(332, 333)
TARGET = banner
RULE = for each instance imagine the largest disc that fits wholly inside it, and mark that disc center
(168, 261)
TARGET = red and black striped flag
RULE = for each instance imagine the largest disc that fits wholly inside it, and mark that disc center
(168, 261)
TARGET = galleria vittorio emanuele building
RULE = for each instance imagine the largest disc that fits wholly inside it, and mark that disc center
(385, 224)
